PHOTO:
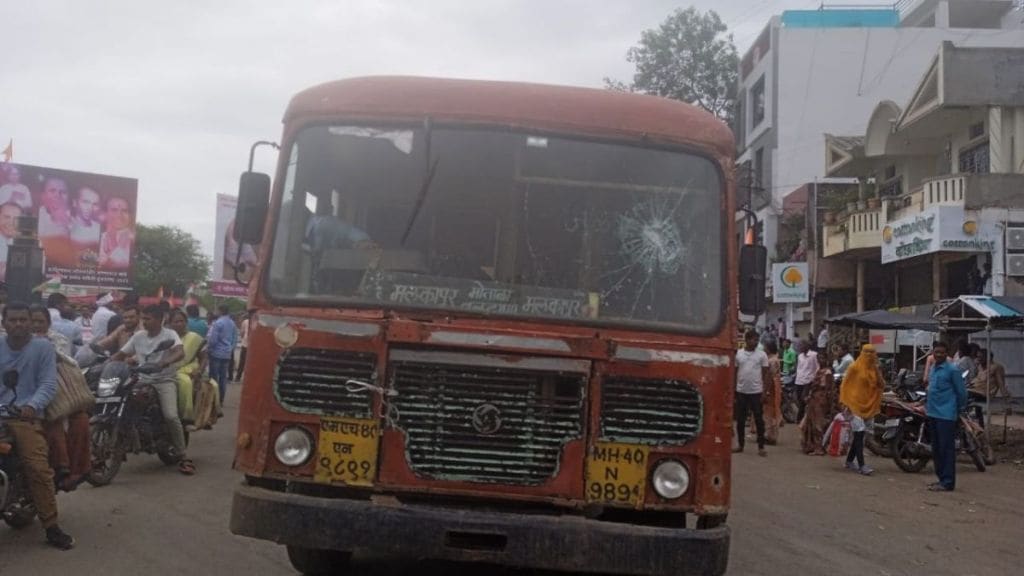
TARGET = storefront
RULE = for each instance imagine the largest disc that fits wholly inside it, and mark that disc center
(943, 252)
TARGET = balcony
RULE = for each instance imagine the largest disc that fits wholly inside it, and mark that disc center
(856, 235)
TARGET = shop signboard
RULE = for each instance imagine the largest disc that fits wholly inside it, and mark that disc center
(938, 229)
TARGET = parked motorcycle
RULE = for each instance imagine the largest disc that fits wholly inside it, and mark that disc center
(127, 419)
(908, 435)
(790, 398)
(16, 504)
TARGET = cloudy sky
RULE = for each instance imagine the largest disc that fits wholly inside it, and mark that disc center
(173, 93)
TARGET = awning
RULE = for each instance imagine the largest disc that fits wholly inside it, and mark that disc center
(885, 320)
(980, 311)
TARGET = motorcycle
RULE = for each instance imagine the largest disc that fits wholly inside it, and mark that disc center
(127, 419)
(16, 504)
(790, 398)
(906, 383)
(908, 435)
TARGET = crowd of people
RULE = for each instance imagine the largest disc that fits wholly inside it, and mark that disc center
(833, 387)
(42, 348)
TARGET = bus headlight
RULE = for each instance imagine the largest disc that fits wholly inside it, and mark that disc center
(293, 447)
(671, 479)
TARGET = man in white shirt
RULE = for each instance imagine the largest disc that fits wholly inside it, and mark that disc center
(843, 359)
(806, 371)
(823, 337)
(102, 316)
(751, 375)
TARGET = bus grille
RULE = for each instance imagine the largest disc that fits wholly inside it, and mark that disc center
(486, 424)
(312, 381)
(650, 411)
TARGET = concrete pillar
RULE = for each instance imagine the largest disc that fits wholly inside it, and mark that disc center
(942, 14)
(860, 285)
(936, 278)
(998, 141)
(1017, 144)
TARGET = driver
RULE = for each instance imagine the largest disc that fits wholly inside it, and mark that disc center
(31, 363)
(141, 349)
(324, 232)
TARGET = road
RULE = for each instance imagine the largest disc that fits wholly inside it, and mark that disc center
(792, 514)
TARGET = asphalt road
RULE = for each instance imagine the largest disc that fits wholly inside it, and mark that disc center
(792, 514)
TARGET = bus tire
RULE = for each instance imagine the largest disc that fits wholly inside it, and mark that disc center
(313, 562)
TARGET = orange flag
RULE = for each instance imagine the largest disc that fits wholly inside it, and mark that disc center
(9, 151)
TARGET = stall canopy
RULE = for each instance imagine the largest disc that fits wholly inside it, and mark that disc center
(885, 320)
(979, 312)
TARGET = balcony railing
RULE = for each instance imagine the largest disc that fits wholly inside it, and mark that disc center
(947, 190)
(856, 230)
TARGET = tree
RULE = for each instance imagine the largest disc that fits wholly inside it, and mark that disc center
(690, 57)
(168, 257)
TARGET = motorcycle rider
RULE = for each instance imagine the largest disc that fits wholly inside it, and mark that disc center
(140, 349)
(947, 397)
(33, 362)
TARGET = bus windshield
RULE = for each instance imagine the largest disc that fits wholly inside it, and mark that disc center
(500, 223)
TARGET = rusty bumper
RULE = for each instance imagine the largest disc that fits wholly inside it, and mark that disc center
(566, 543)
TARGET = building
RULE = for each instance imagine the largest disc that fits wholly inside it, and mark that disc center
(824, 71)
(939, 208)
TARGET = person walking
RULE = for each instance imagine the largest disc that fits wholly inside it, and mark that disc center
(861, 394)
(806, 372)
(817, 416)
(772, 398)
(947, 397)
(221, 344)
(788, 357)
(244, 348)
(751, 376)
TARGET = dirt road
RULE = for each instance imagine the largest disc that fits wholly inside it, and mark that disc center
(792, 514)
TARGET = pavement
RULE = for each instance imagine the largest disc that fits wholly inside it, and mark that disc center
(791, 514)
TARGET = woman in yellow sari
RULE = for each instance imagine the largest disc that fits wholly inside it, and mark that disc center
(861, 394)
(190, 368)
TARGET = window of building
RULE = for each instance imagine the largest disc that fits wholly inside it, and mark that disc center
(975, 159)
(757, 102)
(976, 130)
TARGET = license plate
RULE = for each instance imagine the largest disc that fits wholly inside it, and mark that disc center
(108, 400)
(617, 473)
(347, 451)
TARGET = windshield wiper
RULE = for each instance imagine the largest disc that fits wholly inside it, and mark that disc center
(424, 188)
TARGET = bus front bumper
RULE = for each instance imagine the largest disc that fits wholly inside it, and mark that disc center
(565, 543)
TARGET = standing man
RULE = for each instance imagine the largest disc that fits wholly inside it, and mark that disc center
(806, 371)
(29, 369)
(823, 337)
(788, 358)
(947, 396)
(221, 342)
(843, 359)
(195, 322)
(751, 375)
(142, 346)
(102, 315)
(243, 351)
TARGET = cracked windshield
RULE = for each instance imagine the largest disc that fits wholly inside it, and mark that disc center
(500, 223)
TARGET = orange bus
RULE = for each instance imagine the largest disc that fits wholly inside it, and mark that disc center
(495, 323)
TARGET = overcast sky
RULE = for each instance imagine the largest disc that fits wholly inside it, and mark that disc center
(173, 93)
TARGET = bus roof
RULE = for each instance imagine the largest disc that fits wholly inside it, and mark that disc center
(537, 106)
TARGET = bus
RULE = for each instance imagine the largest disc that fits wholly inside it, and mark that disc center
(494, 323)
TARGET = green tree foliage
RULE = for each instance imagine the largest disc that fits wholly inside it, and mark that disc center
(168, 256)
(689, 57)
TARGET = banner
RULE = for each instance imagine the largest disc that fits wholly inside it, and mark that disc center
(226, 258)
(86, 222)
(790, 283)
(939, 229)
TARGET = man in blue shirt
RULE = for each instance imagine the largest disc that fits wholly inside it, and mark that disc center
(947, 397)
(221, 345)
(29, 370)
(60, 314)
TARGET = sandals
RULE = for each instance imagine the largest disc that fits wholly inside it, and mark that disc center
(187, 467)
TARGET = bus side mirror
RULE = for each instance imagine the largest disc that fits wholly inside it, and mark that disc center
(253, 204)
(753, 261)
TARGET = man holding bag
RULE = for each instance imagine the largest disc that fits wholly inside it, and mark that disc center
(29, 370)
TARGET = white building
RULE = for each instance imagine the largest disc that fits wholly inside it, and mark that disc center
(824, 71)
